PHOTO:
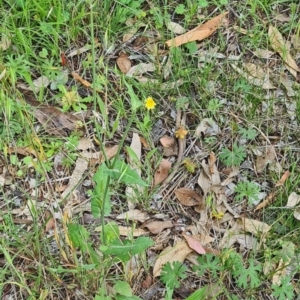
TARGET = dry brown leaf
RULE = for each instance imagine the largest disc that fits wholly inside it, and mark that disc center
(111, 152)
(267, 201)
(212, 172)
(296, 41)
(81, 80)
(2, 74)
(124, 63)
(162, 171)
(171, 254)
(77, 175)
(129, 231)
(140, 69)
(188, 197)
(208, 127)
(50, 224)
(279, 45)
(229, 237)
(204, 182)
(157, 227)
(131, 191)
(26, 151)
(167, 141)
(53, 120)
(293, 200)
(263, 53)
(175, 28)
(262, 161)
(246, 240)
(199, 33)
(288, 84)
(84, 49)
(254, 226)
(282, 18)
(145, 143)
(133, 215)
(264, 83)
(283, 178)
(194, 244)
(85, 143)
(5, 42)
(147, 282)
(98, 157)
(280, 272)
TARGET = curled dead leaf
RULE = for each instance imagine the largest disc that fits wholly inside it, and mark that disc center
(199, 33)
(52, 119)
(262, 161)
(188, 197)
(283, 178)
(194, 244)
(167, 141)
(175, 28)
(254, 226)
(280, 46)
(176, 253)
(162, 171)
(124, 63)
(157, 227)
(133, 215)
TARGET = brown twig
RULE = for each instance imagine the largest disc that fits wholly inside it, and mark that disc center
(180, 122)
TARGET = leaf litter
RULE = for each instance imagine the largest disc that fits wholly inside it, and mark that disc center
(219, 220)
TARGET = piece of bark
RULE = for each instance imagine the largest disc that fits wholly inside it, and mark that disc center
(52, 119)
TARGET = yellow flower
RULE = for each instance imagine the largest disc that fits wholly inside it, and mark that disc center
(70, 98)
(181, 133)
(150, 103)
(217, 215)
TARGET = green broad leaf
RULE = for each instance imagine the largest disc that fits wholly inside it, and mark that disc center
(111, 231)
(133, 297)
(123, 173)
(78, 236)
(192, 47)
(124, 250)
(136, 103)
(123, 288)
(133, 157)
(202, 3)
(100, 199)
(88, 267)
(93, 255)
(199, 294)
(97, 204)
(102, 298)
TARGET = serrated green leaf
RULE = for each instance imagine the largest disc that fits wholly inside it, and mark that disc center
(172, 273)
(233, 157)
